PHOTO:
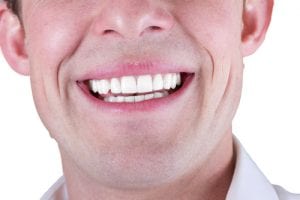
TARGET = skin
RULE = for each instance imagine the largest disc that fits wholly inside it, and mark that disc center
(111, 154)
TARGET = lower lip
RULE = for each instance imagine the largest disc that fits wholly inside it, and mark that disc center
(144, 106)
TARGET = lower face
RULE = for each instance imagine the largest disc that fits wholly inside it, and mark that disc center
(135, 111)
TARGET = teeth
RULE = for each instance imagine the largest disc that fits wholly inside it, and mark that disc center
(158, 82)
(144, 84)
(137, 86)
(120, 99)
(178, 79)
(128, 85)
(129, 99)
(159, 95)
(115, 86)
(167, 81)
(111, 99)
(132, 99)
(103, 86)
(174, 81)
(149, 96)
(139, 98)
(93, 86)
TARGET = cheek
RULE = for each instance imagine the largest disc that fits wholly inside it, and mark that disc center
(216, 28)
(215, 24)
(50, 42)
(54, 38)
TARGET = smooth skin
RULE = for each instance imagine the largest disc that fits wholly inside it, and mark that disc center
(184, 149)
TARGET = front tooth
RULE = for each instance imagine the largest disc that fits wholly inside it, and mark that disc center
(128, 85)
(174, 81)
(103, 86)
(167, 81)
(158, 82)
(115, 86)
(129, 99)
(144, 84)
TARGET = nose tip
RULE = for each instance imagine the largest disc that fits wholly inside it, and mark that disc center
(132, 20)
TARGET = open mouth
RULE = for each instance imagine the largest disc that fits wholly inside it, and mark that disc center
(134, 89)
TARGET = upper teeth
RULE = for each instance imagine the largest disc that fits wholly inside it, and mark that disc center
(136, 84)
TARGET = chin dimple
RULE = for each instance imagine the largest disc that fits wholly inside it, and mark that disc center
(132, 89)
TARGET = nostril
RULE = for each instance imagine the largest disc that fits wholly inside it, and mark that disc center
(155, 28)
(109, 31)
(152, 29)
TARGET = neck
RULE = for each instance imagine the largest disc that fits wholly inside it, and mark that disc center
(210, 182)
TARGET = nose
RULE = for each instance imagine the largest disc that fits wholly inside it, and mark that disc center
(132, 18)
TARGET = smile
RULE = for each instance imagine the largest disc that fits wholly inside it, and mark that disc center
(134, 89)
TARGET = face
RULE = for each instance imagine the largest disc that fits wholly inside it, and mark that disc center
(174, 66)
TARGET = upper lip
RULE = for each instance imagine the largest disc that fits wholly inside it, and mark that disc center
(135, 68)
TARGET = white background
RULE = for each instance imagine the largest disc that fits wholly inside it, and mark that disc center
(267, 122)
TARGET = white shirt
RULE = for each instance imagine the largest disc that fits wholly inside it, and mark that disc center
(248, 183)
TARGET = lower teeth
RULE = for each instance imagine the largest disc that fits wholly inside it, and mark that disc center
(136, 98)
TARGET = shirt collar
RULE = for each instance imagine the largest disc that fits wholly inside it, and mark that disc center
(248, 182)
(58, 191)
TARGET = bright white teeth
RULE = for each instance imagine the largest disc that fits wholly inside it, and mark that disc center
(149, 96)
(167, 81)
(120, 99)
(132, 99)
(141, 88)
(93, 86)
(139, 98)
(115, 86)
(103, 86)
(144, 84)
(158, 82)
(174, 81)
(111, 99)
(129, 99)
(159, 95)
(128, 85)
